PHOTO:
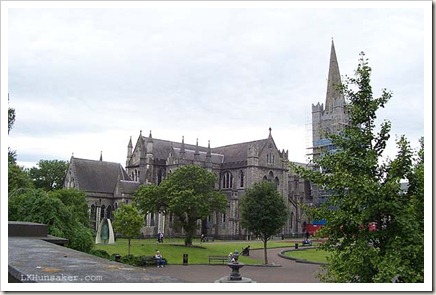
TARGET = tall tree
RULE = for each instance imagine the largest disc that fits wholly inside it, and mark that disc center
(18, 179)
(11, 117)
(49, 175)
(12, 155)
(128, 222)
(188, 193)
(263, 212)
(366, 191)
(75, 201)
(62, 219)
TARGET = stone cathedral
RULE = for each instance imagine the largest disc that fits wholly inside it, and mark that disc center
(237, 167)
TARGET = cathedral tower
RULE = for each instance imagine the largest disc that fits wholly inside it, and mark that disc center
(331, 117)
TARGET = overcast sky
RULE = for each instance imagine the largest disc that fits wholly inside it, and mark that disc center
(83, 80)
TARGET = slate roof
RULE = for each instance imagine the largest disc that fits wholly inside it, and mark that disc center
(128, 186)
(190, 154)
(97, 176)
(235, 153)
(162, 149)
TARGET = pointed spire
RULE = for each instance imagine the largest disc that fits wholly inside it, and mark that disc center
(101, 155)
(142, 146)
(270, 132)
(209, 152)
(197, 151)
(334, 80)
(182, 147)
(129, 151)
(150, 138)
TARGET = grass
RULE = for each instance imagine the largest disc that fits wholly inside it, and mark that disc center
(314, 255)
(173, 249)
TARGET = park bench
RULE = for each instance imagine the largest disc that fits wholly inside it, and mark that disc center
(207, 239)
(223, 259)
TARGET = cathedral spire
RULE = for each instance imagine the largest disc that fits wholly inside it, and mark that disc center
(334, 80)
(101, 155)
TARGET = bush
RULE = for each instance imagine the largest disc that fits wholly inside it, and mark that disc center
(80, 238)
(131, 260)
(47, 208)
(137, 260)
(148, 260)
(100, 253)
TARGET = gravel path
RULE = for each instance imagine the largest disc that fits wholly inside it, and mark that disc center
(284, 271)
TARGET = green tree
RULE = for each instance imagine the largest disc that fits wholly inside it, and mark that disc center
(364, 191)
(11, 117)
(263, 212)
(188, 193)
(49, 175)
(75, 201)
(18, 179)
(36, 205)
(128, 222)
(12, 155)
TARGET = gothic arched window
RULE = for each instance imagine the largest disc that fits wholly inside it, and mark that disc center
(92, 217)
(109, 212)
(160, 176)
(102, 212)
(151, 219)
(276, 182)
(227, 180)
(241, 174)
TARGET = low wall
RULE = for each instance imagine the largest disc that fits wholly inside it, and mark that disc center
(34, 257)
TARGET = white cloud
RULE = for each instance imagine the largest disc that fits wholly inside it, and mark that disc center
(84, 80)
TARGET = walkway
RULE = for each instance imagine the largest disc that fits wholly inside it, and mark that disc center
(286, 271)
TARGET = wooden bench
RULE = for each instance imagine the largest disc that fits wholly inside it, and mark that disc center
(207, 239)
(223, 259)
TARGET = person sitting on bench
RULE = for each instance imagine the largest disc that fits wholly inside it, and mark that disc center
(160, 260)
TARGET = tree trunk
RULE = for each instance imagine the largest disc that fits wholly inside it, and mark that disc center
(188, 240)
(128, 248)
(265, 241)
(190, 227)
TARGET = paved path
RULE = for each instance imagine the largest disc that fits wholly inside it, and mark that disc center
(289, 271)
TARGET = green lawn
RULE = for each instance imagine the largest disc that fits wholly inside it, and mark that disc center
(314, 255)
(173, 249)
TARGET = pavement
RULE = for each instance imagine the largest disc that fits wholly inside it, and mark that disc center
(279, 270)
(34, 260)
